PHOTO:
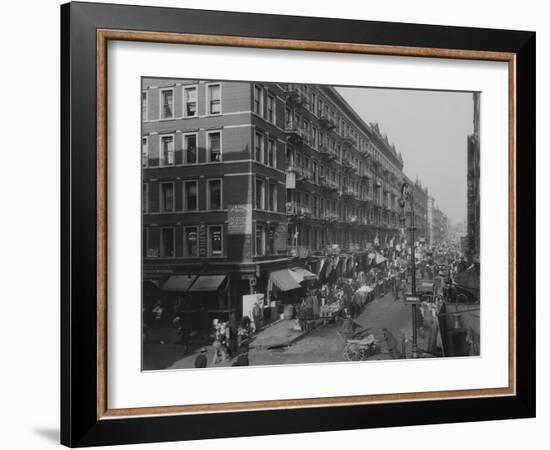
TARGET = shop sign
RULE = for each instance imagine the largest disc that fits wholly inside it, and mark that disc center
(203, 250)
(412, 299)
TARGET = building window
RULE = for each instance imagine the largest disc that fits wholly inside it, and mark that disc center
(298, 198)
(313, 102)
(315, 239)
(260, 194)
(259, 148)
(214, 147)
(272, 197)
(214, 194)
(145, 243)
(315, 203)
(145, 198)
(314, 173)
(271, 242)
(167, 104)
(166, 150)
(190, 148)
(314, 137)
(305, 127)
(213, 97)
(190, 101)
(271, 153)
(271, 108)
(144, 106)
(190, 242)
(288, 118)
(167, 197)
(144, 152)
(166, 242)
(260, 240)
(190, 196)
(258, 100)
(215, 240)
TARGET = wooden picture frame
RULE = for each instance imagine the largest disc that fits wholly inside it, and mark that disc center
(85, 417)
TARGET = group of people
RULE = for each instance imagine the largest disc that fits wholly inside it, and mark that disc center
(229, 340)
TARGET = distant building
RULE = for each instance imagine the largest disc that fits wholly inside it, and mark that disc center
(430, 219)
(421, 211)
(473, 177)
(438, 224)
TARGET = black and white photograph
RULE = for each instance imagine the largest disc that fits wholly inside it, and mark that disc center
(303, 223)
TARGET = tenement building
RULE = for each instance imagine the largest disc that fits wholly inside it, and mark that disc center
(243, 181)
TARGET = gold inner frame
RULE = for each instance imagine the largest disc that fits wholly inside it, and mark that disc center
(104, 35)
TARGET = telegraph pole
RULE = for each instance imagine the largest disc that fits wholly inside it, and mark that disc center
(407, 195)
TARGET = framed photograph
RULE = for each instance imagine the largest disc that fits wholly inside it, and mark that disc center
(277, 224)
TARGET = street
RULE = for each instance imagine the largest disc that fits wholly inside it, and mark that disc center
(324, 343)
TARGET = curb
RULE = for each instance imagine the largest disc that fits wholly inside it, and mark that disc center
(282, 344)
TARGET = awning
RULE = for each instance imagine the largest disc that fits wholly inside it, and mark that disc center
(321, 266)
(380, 259)
(207, 283)
(284, 280)
(178, 283)
(300, 274)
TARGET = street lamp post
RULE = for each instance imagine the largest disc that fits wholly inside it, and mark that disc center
(407, 195)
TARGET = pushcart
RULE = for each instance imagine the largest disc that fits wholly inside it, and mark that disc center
(361, 347)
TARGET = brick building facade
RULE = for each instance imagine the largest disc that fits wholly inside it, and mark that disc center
(241, 180)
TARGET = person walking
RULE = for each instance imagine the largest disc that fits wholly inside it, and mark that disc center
(182, 333)
(396, 288)
(302, 315)
(391, 343)
(158, 314)
(315, 304)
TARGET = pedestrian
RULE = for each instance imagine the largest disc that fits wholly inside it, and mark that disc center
(315, 305)
(158, 311)
(201, 360)
(257, 316)
(233, 327)
(397, 288)
(182, 333)
(302, 315)
(220, 340)
(219, 352)
(309, 306)
(391, 343)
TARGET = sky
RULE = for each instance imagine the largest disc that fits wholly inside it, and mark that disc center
(430, 129)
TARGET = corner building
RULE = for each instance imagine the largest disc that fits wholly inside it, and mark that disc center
(242, 180)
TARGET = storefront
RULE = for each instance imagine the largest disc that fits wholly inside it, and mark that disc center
(197, 300)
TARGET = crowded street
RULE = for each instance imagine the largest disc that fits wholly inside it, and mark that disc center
(326, 343)
(354, 319)
(335, 243)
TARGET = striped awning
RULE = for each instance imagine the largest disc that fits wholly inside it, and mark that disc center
(380, 259)
(207, 283)
(178, 283)
(284, 280)
(300, 274)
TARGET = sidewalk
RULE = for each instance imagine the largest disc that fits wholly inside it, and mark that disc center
(396, 316)
(279, 334)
